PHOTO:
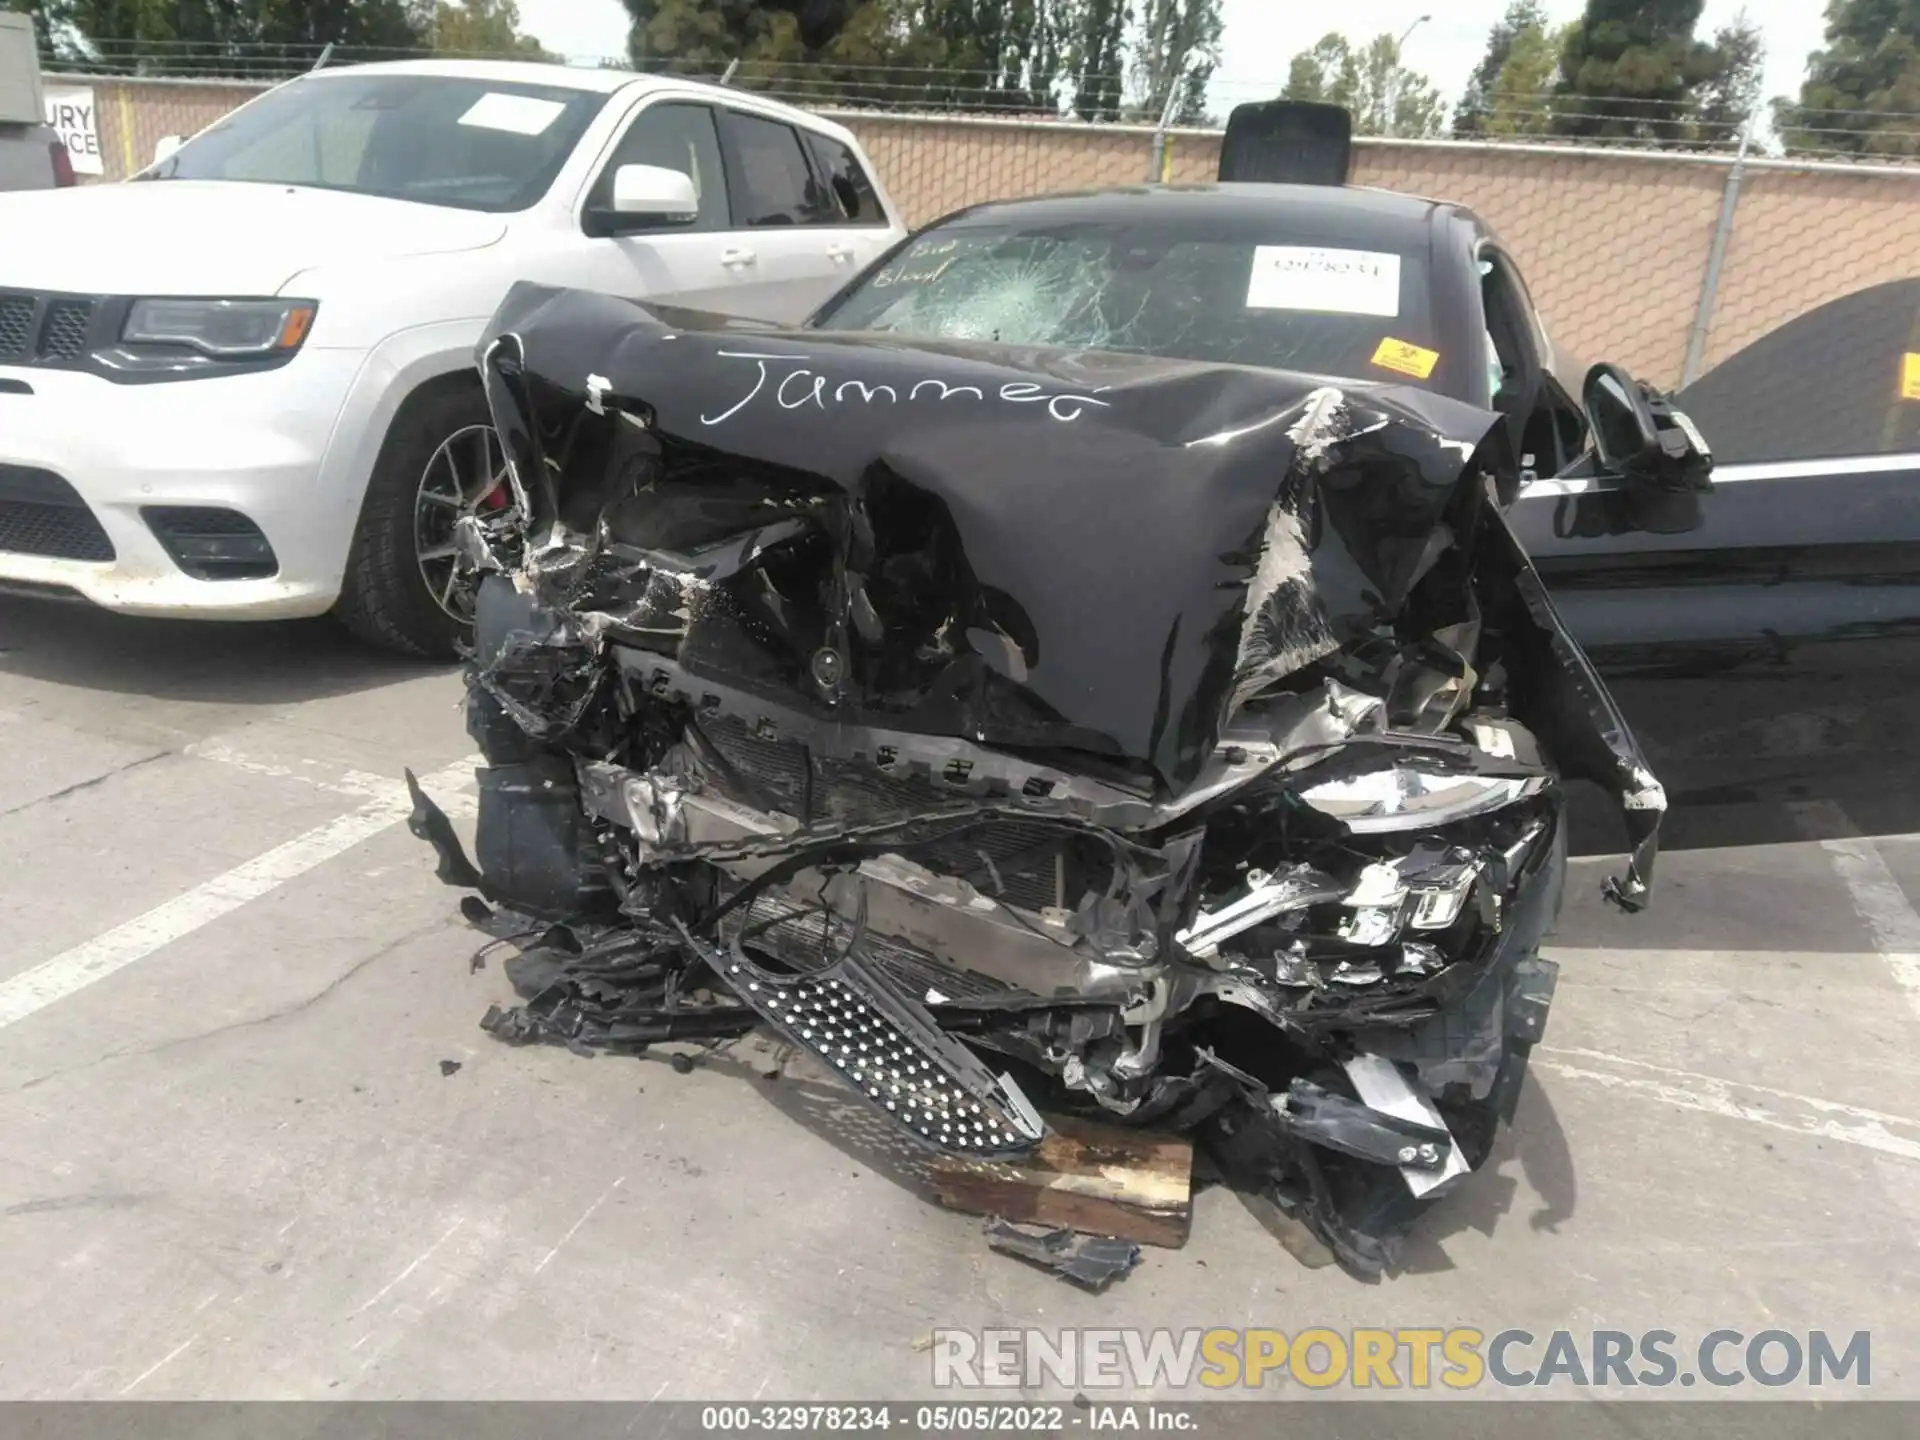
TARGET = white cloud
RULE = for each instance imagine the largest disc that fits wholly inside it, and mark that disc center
(581, 30)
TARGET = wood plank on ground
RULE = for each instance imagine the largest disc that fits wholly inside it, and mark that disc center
(1098, 1179)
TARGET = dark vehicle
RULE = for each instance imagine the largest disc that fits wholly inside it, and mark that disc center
(1764, 638)
(1089, 670)
(1759, 634)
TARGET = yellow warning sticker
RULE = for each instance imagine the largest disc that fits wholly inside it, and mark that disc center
(1910, 376)
(1408, 359)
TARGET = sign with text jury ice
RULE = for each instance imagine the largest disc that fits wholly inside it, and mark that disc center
(71, 116)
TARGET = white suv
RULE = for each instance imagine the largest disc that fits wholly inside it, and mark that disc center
(242, 385)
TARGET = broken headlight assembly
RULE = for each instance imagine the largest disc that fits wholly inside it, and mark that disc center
(1110, 809)
(1408, 796)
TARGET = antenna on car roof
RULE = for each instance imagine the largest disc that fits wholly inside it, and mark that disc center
(325, 55)
(1288, 142)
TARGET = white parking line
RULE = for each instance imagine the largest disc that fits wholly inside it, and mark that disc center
(73, 970)
(1737, 1100)
(1877, 898)
(1883, 909)
(358, 784)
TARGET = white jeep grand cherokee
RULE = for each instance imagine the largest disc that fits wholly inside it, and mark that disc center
(242, 385)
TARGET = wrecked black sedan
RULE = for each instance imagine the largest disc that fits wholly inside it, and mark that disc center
(1087, 671)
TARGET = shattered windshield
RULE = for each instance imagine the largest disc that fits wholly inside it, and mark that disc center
(1268, 299)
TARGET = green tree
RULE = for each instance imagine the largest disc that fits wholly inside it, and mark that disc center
(162, 36)
(1631, 69)
(1384, 97)
(1176, 53)
(1728, 98)
(483, 27)
(1095, 50)
(1523, 92)
(1004, 55)
(975, 54)
(1025, 55)
(1523, 18)
(1862, 91)
(708, 35)
(42, 32)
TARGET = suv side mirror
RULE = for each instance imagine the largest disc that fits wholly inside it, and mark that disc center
(1655, 449)
(645, 196)
(166, 145)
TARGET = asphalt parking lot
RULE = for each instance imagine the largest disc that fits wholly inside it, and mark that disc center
(236, 1160)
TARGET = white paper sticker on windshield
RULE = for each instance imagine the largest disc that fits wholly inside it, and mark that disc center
(1333, 282)
(517, 114)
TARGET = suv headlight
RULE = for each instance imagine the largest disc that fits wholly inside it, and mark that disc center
(221, 329)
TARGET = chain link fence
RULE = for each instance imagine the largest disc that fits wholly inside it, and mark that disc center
(1666, 260)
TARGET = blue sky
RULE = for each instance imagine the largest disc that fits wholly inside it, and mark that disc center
(1262, 35)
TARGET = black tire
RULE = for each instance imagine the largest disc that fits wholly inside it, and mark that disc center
(384, 597)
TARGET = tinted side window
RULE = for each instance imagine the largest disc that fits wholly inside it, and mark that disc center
(675, 137)
(772, 182)
(855, 200)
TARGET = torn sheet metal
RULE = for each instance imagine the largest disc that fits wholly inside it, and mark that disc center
(963, 593)
(1430, 1160)
(1021, 729)
(1091, 1261)
(1567, 699)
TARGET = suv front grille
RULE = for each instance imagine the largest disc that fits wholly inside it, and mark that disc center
(41, 514)
(16, 326)
(42, 329)
(63, 334)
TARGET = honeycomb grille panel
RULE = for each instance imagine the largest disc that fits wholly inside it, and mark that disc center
(16, 326)
(63, 334)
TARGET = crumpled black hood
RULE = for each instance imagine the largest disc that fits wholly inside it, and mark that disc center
(1026, 548)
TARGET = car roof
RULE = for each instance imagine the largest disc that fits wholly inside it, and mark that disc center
(590, 80)
(1368, 216)
(506, 72)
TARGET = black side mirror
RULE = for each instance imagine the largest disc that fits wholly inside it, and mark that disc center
(1640, 436)
(1624, 436)
(1655, 449)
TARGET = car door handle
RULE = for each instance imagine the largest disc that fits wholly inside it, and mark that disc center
(737, 256)
(840, 254)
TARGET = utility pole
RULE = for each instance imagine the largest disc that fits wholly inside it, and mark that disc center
(1393, 79)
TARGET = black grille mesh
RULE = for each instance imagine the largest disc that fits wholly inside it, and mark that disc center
(199, 520)
(210, 542)
(41, 514)
(63, 334)
(16, 325)
(41, 329)
(53, 531)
